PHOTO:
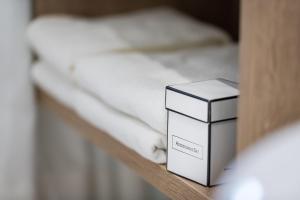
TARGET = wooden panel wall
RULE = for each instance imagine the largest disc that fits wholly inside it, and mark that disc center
(224, 14)
(92, 7)
(221, 13)
(270, 67)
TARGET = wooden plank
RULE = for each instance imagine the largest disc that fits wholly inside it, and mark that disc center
(172, 185)
(270, 68)
(224, 14)
(92, 7)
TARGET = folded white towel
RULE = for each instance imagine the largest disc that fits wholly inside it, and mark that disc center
(135, 83)
(60, 40)
(56, 84)
(129, 131)
(202, 63)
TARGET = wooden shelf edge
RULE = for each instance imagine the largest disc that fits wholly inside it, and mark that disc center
(172, 185)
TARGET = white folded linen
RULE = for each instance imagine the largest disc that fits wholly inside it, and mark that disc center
(56, 84)
(135, 83)
(60, 40)
(129, 131)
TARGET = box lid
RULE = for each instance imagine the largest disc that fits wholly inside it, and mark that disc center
(208, 101)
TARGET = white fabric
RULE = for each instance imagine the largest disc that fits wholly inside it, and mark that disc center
(17, 152)
(60, 40)
(135, 83)
(131, 83)
(202, 63)
(129, 131)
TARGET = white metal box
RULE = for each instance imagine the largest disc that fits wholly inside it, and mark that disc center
(201, 129)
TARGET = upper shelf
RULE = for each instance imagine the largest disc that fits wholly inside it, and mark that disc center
(172, 185)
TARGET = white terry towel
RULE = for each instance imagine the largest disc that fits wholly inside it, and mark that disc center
(135, 83)
(60, 40)
(129, 131)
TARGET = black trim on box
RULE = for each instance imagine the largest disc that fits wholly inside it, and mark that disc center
(224, 98)
(167, 138)
(209, 112)
(199, 119)
(166, 97)
(187, 94)
(199, 98)
(208, 155)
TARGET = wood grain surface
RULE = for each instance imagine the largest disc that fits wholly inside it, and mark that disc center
(270, 68)
(92, 7)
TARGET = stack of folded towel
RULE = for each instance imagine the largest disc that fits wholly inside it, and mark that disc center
(113, 71)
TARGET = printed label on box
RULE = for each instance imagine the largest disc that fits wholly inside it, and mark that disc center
(187, 147)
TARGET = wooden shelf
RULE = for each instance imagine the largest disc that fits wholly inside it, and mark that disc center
(172, 185)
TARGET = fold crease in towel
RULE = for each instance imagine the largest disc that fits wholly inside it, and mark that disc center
(127, 130)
